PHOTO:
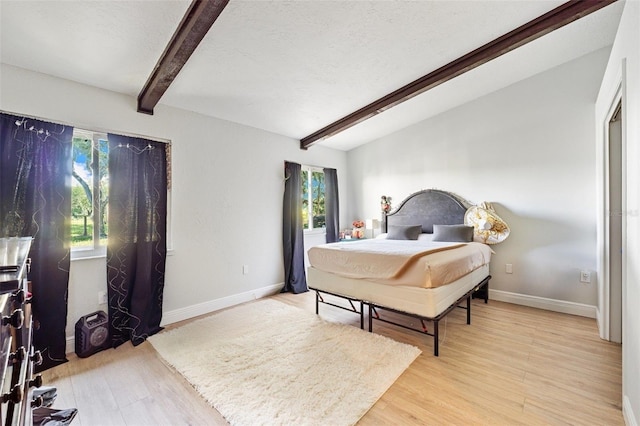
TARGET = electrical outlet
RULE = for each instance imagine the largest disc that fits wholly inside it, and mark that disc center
(102, 298)
(585, 276)
(508, 268)
(245, 269)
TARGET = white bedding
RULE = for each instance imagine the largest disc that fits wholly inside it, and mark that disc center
(419, 263)
(426, 302)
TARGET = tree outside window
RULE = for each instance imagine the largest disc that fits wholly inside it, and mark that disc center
(90, 190)
(313, 194)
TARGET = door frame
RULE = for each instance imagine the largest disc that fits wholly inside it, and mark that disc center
(604, 237)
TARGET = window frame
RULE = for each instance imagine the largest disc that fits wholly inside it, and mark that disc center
(97, 249)
(311, 230)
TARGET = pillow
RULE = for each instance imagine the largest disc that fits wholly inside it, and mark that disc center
(404, 232)
(425, 237)
(453, 233)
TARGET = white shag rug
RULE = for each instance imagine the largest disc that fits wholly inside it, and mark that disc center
(269, 363)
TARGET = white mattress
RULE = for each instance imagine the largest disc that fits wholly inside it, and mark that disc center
(426, 302)
(400, 262)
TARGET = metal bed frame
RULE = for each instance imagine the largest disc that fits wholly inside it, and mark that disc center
(373, 311)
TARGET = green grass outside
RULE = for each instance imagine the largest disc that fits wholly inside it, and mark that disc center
(78, 237)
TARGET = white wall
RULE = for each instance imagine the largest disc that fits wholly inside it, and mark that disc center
(227, 193)
(528, 149)
(624, 64)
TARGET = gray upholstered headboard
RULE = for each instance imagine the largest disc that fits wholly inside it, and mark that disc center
(427, 208)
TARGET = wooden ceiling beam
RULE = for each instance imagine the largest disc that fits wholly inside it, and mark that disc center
(194, 26)
(544, 24)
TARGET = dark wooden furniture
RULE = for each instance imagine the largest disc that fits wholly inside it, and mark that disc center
(17, 354)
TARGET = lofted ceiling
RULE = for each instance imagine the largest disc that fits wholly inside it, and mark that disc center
(293, 67)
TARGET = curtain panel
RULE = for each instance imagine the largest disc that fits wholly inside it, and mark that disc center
(331, 205)
(137, 247)
(35, 200)
(295, 279)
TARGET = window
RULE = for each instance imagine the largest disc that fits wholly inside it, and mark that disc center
(89, 193)
(313, 213)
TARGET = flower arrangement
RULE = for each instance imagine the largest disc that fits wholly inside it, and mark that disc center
(385, 203)
(358, 224)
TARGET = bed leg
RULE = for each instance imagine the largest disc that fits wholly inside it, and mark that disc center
(435, 338)
(370, 318)
(361, 315)
(469, 309)
(486, 292)
(317, 302)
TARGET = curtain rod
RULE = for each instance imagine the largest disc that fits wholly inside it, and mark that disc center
(311, 165)
(87, 128)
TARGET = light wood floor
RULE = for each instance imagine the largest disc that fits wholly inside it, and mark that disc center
(512, 365)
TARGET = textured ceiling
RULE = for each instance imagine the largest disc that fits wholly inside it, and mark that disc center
(292, 67)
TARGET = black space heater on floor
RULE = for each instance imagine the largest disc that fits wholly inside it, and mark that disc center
(92, 334)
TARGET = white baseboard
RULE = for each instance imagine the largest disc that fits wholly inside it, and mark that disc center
(207, 307)
(627, 412)
(544, 303)
(71, 345)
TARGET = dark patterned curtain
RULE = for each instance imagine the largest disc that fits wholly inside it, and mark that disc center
(137, 247)
(331, 205)
(35, 196)
(295, 279)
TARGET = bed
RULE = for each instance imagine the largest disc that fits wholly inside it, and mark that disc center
(410, 270)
